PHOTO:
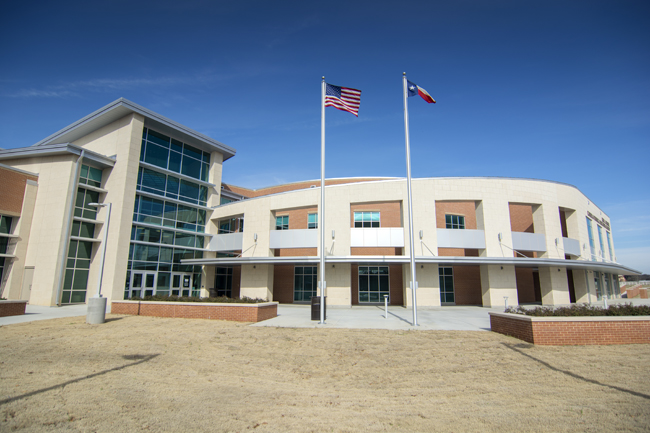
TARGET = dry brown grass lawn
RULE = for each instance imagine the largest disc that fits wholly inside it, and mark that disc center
(154, 374)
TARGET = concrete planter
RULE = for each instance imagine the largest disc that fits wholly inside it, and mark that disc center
(198, 310)
(12, 308)
(567, 331)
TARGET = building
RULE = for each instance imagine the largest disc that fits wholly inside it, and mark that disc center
(176, 229)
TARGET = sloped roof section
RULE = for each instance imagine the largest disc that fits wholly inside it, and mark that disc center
(123, 107)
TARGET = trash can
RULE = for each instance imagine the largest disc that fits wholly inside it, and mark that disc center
(315, 308)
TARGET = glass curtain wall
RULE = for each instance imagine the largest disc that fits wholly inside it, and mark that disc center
(169, 218)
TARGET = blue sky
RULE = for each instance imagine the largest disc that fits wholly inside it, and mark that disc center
(555, 90)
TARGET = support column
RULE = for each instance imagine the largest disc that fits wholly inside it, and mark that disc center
(257, 281)
(428, 294)
(581, 286)
(496, 282)
(338, 291)
(554, 286)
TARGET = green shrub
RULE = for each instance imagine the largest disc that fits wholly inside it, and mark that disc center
(220, 299)
(583, 310)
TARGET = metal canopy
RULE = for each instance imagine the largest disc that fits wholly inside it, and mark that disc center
(615, 268)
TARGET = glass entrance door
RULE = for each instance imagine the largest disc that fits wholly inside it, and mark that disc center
(142, 284)
(181, 284)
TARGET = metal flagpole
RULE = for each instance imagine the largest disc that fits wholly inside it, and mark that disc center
(414, 283)
(321, 222)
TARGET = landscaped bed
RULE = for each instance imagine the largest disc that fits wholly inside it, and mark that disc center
(575, 325)
(239, 310)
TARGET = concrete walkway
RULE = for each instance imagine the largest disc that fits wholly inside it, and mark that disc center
(372, 317)
(37, 312)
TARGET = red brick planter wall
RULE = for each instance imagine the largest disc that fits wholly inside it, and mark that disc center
(12, 308)
(565, 331)
(198, 310)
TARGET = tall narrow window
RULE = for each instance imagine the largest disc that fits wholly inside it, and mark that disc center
(609, 244)
(602, 244)
(5, 228)
(312, 221)
(223, 281)
(455, 221)
(446, 278)
(304, 283)
(366, 219)
(592, 244)
(282, 222)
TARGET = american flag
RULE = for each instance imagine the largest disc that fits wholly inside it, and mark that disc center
(343, 98)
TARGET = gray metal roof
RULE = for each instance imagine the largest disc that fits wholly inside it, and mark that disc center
(123, 107)
(57, 149)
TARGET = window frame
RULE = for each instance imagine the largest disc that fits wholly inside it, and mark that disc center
(455, 222)
(312, 224)
(282, 222)
(366, 219)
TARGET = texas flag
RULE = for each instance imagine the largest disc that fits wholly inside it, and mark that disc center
(414, 89)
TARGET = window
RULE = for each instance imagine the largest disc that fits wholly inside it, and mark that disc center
(609, 244)
(83, 229)
(592, 244)
(90, 176)
(282, 222)
(5, 228)
(82, 206)
(446, 278)
(164, 213)
(455, 221)
(224, 200)
(5, 224)
(223, 281)
(599, 292)
(374, 283)
(76, 273)
(154, 182)
(304, 283)
(602, 244)
(312, 221)
(232, 225)
(366, 219)
(170, 154)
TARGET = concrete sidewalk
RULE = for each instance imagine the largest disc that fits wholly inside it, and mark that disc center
(37, 312)
(372, 317)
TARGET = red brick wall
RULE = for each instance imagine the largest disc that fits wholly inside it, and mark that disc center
(13, 190)
(390, 212)
(204, 311)
(283, 283)
(521, 218)
(12, 308)
(467, 285)
(574, 333)
(462, 252)
(298, 219)
(465, 208)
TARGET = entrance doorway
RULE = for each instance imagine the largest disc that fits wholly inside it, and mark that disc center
(181, 284)
(142, 284)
